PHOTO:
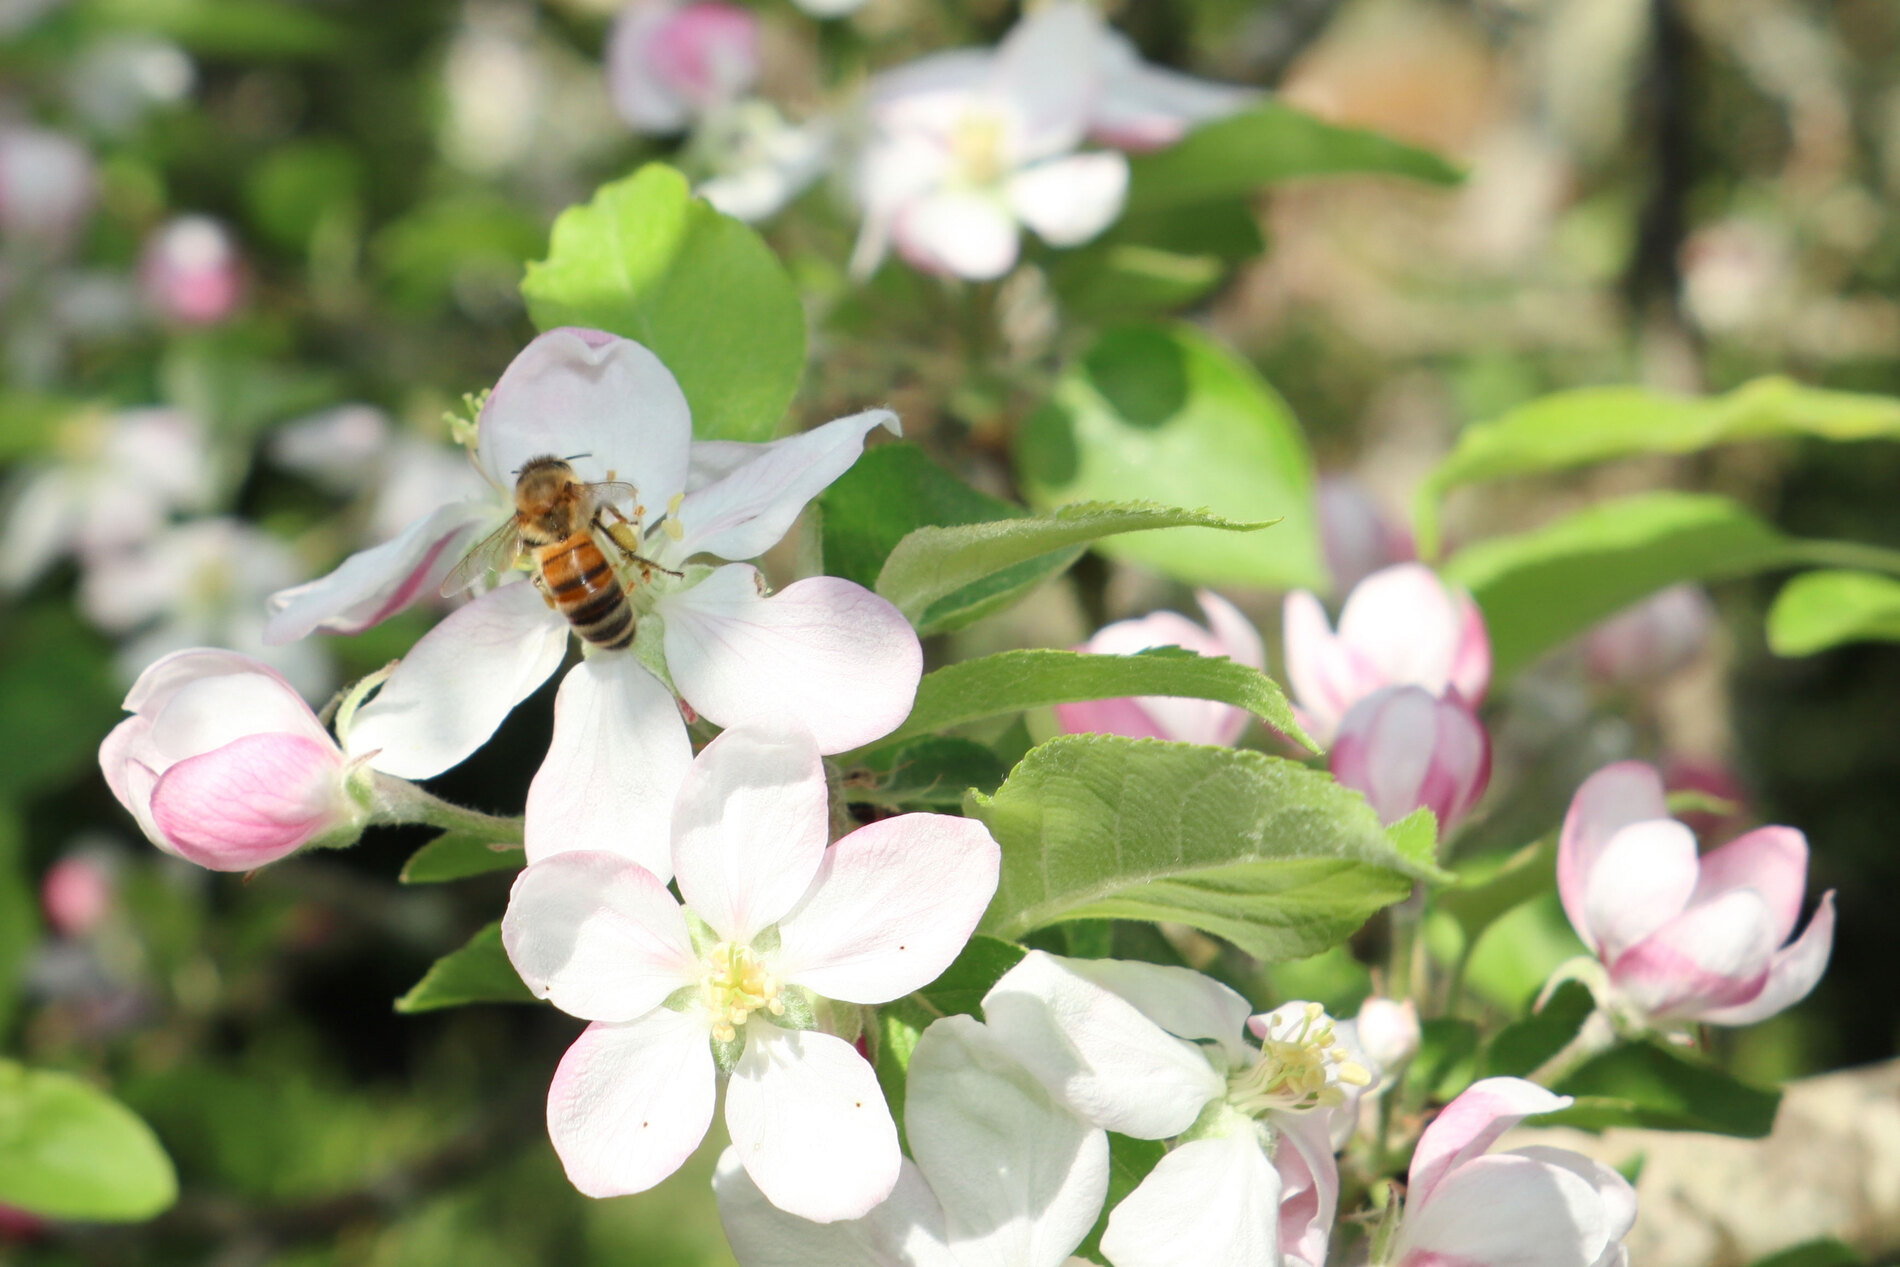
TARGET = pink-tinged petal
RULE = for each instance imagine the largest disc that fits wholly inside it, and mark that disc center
(372, 585)
(1773, 861)
(1792, 973)
(1328, 677)
(1040, 1173)
(644, 100)
(257, 692)
(459, 682)
(1095, 1051)
(823, 650)
(597, 936)
(1234, 634)
(745, 512)
(709, 52)
(1069, 200)
(1155, 716)
(893, 904)
(1715, 954)
(604, 402)
(1404, 623)
(77, 893)
(1048, 69)
(1613, 1190)
(1208, 1203)
(1185, 1003)
(906, 1228)
(1643, 878)
(1144, 107)
(1609, 800)
(810, 1125)
(1501, 1210)
(1470, 674)
(1472, 1123)
(749, 827)
(957, 233)
(1109, 717)
(631, 1102)
(130, 779)
(1406, 749)
(1309, 1179)
(254, 800)
(619, 755)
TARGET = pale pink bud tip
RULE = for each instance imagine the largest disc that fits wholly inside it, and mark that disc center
(75, 896)
(191, 272)
(1388, 1031)
(1407, 750)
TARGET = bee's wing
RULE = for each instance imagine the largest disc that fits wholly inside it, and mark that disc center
(610, 492)
(495, 553)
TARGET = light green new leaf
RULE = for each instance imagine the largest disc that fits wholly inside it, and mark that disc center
(1595, 424)
(1271, 142)
(1167, 414)
(1279, 859)
(477, 973)
(647, 260)
(1818, 610)
(456, 855)
(1012, 681)
(69, 1151)
(931, 565)
(1540, 588)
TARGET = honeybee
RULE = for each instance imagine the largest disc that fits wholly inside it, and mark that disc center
(557, 518)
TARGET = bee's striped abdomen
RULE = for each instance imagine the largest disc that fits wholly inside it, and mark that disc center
(586, 590)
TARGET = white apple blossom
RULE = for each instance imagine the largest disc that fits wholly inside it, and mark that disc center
(773, 922)
(1003, 1174)
(1156, 1052)
(47, 186)
(824, 650)
(759, 160)
(355, 448)
(670, 63)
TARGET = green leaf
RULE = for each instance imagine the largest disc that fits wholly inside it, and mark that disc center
(1496, 883)
(933, 772)
(1277, 858)
(58, 697)
(69, 1151)
(1819, 610)
(1648, 1084)
(30, 423)
(19, 914)
(1165, 413)
(477, 973)
(1272, 142)
(924, 574)
(455, 855)
(1447, 1059)
(1821, 1253)
(1129, 1162)
(1540, 588)
(1012, 681)
(647, 260)
(1521, 1047)
(234, 29)
(1595, 424)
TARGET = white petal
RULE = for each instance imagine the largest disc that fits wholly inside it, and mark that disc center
(604, 402)
(1208, 1203)
(810, 1125)
(1107, 1061)
(597, 936)
(248, 698)
(905, 1231)
(746, 513)
(1618, 1197)
(1049, 69)
(1069, 200)
(373, 585)
(1144, 107)
(1642, 880)
(893, 904)
(1510, 1210)
(458, 682)
(640, 95)
(1405, 622)
(631, 1102)
(823, 650)
(1021, 1179)
(1794, 971)
(749, 827)
(619, 755)
(1237, 637)
(1609, 800)
(960, 232)
(1186, 1003)
(43, 512)
(1473, 1122)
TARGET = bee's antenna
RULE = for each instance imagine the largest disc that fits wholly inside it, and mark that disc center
(570, 457)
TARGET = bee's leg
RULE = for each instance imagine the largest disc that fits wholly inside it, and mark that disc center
(534, 578)
(625, 537)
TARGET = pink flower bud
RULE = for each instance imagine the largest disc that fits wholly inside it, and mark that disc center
(1388, 1031)
(75, 895)
(1684, 937)
(1165, 717)
(223, 764)
(18, 1227)
(191, 272)
(1356, 534)
(46, 184)
(1407, 750)
(1652, 639)
(668, 64)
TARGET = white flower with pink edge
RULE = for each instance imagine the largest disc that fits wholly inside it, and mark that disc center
(1679, 938)
(1406, 749)
(1229, 634)
(1546, 1206)
(1401, 626)
(825, 651)
(669, 63)
(773, 923)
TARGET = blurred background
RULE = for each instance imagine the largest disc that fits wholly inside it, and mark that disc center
(251, 252)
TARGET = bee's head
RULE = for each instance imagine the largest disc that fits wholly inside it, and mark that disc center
(542, 480)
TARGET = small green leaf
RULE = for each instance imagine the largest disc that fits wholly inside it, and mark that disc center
(933, 772)
(1271, 142)
(1651, 1085)
(924, 574)
(69, 1151)
(1496, 883)
(1166, 413)
(1129, 1162)
(238, 30)
(455, 855)
(647, 260)
(19, 914)
(1521, 1047)
(1277, 858)
(477, 973)
(1011, 681)
(1822, 1253)
(1819, 610)
(1447, 1059)
(1595, 424)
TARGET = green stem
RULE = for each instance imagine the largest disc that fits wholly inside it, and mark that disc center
(1850, 554)
(400, 801)
(1596, 1036)
(1401, 967)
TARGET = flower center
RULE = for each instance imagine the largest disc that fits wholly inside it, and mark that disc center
(976, 148)
(1301, 1066)
(737, 984)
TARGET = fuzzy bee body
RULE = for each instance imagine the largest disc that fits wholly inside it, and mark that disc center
(576, 575)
